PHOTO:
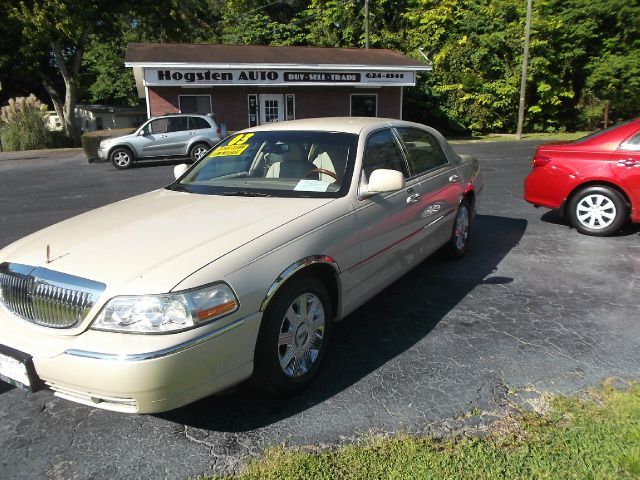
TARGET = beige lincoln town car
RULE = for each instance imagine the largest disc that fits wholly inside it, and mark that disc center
(236, 270)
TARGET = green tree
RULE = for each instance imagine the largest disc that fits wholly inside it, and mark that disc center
(54, 37)
(105, 79)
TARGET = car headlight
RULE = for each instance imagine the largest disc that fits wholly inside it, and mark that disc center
(167, 312)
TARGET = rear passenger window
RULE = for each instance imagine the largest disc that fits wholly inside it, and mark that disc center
(382, 151)
(178, 124)
(424, 151)
(633, 144)
(198, 123)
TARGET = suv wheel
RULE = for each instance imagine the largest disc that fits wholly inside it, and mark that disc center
(121, 158)
(198, 150)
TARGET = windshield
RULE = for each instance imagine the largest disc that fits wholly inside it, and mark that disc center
(275, 163)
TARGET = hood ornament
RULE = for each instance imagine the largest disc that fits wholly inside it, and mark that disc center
(49, 259)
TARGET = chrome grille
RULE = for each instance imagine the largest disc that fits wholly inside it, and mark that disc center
(45, 297)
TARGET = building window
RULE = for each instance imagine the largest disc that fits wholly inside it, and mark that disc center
(364, 105)
(195, 104)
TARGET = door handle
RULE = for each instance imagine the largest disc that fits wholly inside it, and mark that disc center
(413, 198)
(454, 178)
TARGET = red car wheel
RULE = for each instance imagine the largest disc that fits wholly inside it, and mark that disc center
(598, 211)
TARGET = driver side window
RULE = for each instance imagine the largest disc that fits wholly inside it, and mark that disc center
(160, 125)
(382, 151)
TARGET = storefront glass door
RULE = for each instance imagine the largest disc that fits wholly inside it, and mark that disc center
(271, 108)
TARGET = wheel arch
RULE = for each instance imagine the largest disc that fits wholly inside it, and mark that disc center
(470, 195)
(596, 183)
(199, 140)
(322, 267)
(123, 145)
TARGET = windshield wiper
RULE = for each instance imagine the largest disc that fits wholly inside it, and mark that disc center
(244, 193)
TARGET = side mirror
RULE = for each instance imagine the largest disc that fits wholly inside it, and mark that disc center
(383, 181)
(178, 170)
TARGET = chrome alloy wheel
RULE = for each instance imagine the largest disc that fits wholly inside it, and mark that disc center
(301, 335)
(199, 151)
(596, 211)
(461, 231)
(121, 158)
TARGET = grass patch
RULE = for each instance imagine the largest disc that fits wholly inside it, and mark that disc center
(594, 438)
(510, 137)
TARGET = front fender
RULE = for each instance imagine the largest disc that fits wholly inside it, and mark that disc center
(293, 269)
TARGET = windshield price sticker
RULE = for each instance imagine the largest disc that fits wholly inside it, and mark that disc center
(229, 150)
(14, 371)
(235, 147)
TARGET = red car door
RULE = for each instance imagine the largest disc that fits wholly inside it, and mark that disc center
(626, 167)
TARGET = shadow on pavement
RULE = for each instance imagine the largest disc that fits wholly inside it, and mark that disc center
(5, 387)
(554, 217)
(386, 326)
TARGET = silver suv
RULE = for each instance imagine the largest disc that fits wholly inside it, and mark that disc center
(169, 136)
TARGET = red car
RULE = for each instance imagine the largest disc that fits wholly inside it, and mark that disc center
(594, 181)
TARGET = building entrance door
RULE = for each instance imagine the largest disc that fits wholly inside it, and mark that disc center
(271, 108)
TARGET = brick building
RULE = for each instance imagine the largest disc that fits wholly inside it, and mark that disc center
(246, 85)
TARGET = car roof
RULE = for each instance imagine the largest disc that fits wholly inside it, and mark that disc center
(333, 124)
(204, 115)
(615, 133)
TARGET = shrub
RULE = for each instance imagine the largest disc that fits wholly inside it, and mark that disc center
(22, 124)
(91, 141)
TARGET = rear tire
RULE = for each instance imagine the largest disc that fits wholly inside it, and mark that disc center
(599, 211)
(459, 241)
(121, 158)
(293, 336)
(198, 151)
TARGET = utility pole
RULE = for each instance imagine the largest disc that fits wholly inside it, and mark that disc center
(366, 23)
(523, 78)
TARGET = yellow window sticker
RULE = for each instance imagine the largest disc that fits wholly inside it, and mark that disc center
(229, 150)
(240, 139)
(234, 148)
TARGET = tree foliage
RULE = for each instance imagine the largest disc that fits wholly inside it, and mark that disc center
(584, 54)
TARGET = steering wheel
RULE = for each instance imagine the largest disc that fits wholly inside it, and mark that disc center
(322, 170)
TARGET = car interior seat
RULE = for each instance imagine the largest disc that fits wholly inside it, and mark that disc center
(292, 163)
(333, 159)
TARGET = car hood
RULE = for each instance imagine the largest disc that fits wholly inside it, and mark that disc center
(149, 243)
(120, 138)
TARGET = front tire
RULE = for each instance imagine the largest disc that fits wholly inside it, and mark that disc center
(121, 158)
(598, 211)
(293, 336)
(198, 151)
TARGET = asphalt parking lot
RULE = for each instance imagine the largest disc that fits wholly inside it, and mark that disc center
(533, 308)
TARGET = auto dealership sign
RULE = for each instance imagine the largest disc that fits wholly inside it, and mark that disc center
(162, 76)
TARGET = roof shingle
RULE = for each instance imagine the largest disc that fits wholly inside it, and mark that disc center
(185, 53)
